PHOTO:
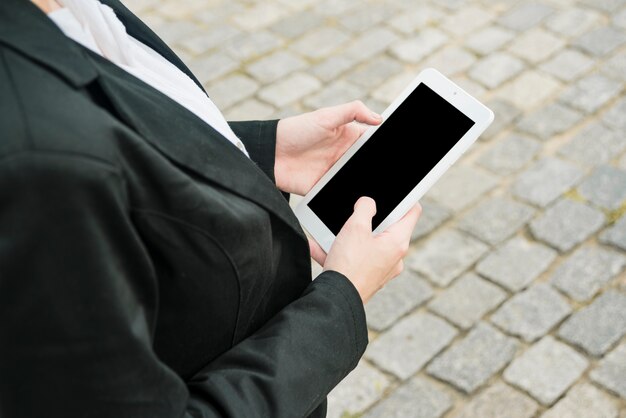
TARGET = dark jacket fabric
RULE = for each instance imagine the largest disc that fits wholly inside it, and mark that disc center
(147, 267)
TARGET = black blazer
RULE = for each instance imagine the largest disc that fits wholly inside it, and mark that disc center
(147, 267)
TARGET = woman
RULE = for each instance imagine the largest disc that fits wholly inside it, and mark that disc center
(149, 265)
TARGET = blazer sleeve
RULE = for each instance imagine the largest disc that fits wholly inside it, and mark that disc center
(78, 299)
(259, 137)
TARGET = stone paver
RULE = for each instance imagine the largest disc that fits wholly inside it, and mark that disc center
(567, 224)
(532, 313)
(497, 401)
(517, 263)
(546, 370)
(433, 215)
(616, 235)
(396, 299)
(548, 171)
(605, 187)
(611, 370)
(549, 121)
(598, 326)
(467, 300)
(410, 344)
(568, 65)
(536, 45)
(496, 219)
(445, 256)
(468, 364)
(544, 182)
(363, 387)
(416, 399)
(495, 69)
(591, 93)
(474, 183)
(594, 145)
(583, 401)
(586, 271)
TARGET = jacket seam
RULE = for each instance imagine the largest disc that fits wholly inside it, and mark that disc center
(156, 214)
(18, 98)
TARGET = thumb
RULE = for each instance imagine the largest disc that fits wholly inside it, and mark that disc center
(364, 211)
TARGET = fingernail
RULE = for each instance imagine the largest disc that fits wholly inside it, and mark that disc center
(376, 116)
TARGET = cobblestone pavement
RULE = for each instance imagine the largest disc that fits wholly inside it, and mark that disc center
(513, 304)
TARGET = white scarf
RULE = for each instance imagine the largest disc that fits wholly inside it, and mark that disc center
(96, 26)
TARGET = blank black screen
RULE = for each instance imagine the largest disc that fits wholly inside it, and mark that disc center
(394, 160)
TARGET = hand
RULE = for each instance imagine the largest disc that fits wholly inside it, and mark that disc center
(368, 261)
(308, 145)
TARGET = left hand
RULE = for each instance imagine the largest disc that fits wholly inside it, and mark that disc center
(308, 145)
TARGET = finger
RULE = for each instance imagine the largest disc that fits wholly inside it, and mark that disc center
(364, 211)
(317, 253)
(404, 227)
(353, 111)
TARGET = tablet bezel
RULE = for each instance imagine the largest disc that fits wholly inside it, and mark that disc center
(453, 94)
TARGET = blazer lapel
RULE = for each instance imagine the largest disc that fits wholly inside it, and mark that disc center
(188, 140)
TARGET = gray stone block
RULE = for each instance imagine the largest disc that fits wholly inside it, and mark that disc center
(614, 67)
(433, 215)
(462, 186)
(370, 44)
(489, 39)
(616, 235)
(591, 93)
(525, 15)
(399, 297)
(516, 264)
(532, 313)
(601, 41)
(498, 401)
(253, 45)
(505, 114)
(276, 66)
(232, 89)
(333, 94)
(332, 67)
(320, 42)
(594, 145)
(568, 65)
(413, 50)
(366, 18)
(451, 60)
(606, 187)
(510, 154)
(495, 69)
(418, 17)
(546, 370)
(364, 386)
(290, 89)
(545, 181)
(616, 116)
(598, 326)
(586, 271)
(471, 362)
(604, 5)
(536, 45)
(496, 219)
(373, 73)
(212, 67)
(445, 256)
(573, 21)
(549, 121)
(583, 401)
(567, 224)
(297, 24)
(467, 300)
(611, 370)
(410, 344)
(466, 20)
(530, 89)
(417, 398)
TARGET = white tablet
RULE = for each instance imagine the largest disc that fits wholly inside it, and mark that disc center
(424, 131)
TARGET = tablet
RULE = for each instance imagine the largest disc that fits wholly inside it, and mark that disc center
(424, 131)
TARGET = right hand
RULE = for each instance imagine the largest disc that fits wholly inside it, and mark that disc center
(368, 261)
